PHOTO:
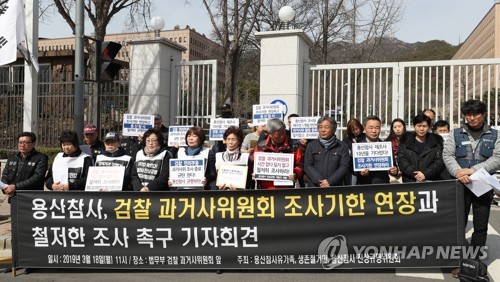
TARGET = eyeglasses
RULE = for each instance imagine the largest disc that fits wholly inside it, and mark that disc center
(24, 142)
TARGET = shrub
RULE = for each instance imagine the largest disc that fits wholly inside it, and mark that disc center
(50, 152)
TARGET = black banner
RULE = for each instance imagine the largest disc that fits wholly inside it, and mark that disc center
(370, 226)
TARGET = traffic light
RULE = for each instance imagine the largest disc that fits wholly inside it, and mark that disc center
(106, 68)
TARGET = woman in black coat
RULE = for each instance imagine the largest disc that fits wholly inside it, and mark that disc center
(420, 157)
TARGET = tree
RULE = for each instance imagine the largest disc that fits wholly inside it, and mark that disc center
(342, 30)
(233, 23)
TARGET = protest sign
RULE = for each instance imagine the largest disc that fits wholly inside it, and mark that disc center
(304, 127)
(187, 172)
(177, 135)
(219, 125)
(232, 175)
(263, 113)
(105, 178)
(136, 125)
(372, 156)
(272, 166)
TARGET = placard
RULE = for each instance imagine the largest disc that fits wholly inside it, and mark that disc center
(105, 178)
(245, 229)
(136, 125)
(187, 172)
(273, 166)
(235, 175)
(219, 125)
(263, 113)
(304, 127)
(177, 135)
(373, 156)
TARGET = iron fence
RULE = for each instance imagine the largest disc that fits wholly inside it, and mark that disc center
(104, 105)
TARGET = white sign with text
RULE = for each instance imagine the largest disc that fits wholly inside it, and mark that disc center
(105, 178)
(177, 135)
(372, 156)
(263, 113)
(187, 172)
(219, 125)
(136, 125)
(273, 166)
(304, 127)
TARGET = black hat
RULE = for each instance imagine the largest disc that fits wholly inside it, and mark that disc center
(112, 136)
(226, 107)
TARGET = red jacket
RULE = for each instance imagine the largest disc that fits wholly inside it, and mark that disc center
(267, 146)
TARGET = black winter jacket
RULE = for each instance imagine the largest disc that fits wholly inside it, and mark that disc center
(429, 162)
(28, 173)
(331, 164)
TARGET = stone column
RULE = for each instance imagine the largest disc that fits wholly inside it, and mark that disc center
(284, 55)
(153, 84)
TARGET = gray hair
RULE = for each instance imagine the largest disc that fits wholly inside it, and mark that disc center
(330, 119)
(274, 125)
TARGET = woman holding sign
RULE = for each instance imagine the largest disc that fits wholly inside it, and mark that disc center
(70, 167)
(195, 138)
(150, 170)
(420, 157)
(233, 162)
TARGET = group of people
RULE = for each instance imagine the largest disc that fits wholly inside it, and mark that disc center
(419, 155)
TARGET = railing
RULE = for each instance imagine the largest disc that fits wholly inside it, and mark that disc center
(196, 92)
(56, 105)
(404, 89)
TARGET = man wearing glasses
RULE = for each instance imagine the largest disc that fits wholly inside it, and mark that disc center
(473, 146)
(26, 169)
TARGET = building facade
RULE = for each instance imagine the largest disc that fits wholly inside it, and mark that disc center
(484, 41)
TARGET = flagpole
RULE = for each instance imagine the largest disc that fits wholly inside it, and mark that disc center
(30, 113)
(79, 68)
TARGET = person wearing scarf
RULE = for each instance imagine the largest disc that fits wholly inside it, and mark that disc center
(326, 161)
(195, 138)
(233, 138)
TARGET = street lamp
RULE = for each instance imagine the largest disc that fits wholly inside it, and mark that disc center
(286, 15)
(158, 23)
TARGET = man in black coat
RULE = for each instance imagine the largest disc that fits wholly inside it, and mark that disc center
(327, 159)
(26, 169)
(420, 157)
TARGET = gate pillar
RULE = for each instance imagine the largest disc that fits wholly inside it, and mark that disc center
(152, 77)
(284, 56)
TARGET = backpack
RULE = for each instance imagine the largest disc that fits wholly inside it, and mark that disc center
(473, 270)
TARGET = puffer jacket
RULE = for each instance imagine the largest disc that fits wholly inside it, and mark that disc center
(429, 162)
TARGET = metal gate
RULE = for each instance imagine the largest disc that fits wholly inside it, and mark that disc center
(196, 92)
(402, 89)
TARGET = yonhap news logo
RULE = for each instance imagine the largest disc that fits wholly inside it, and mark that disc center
(334, 252)
(332, 248)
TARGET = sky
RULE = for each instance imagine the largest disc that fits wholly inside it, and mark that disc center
(422, 20)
